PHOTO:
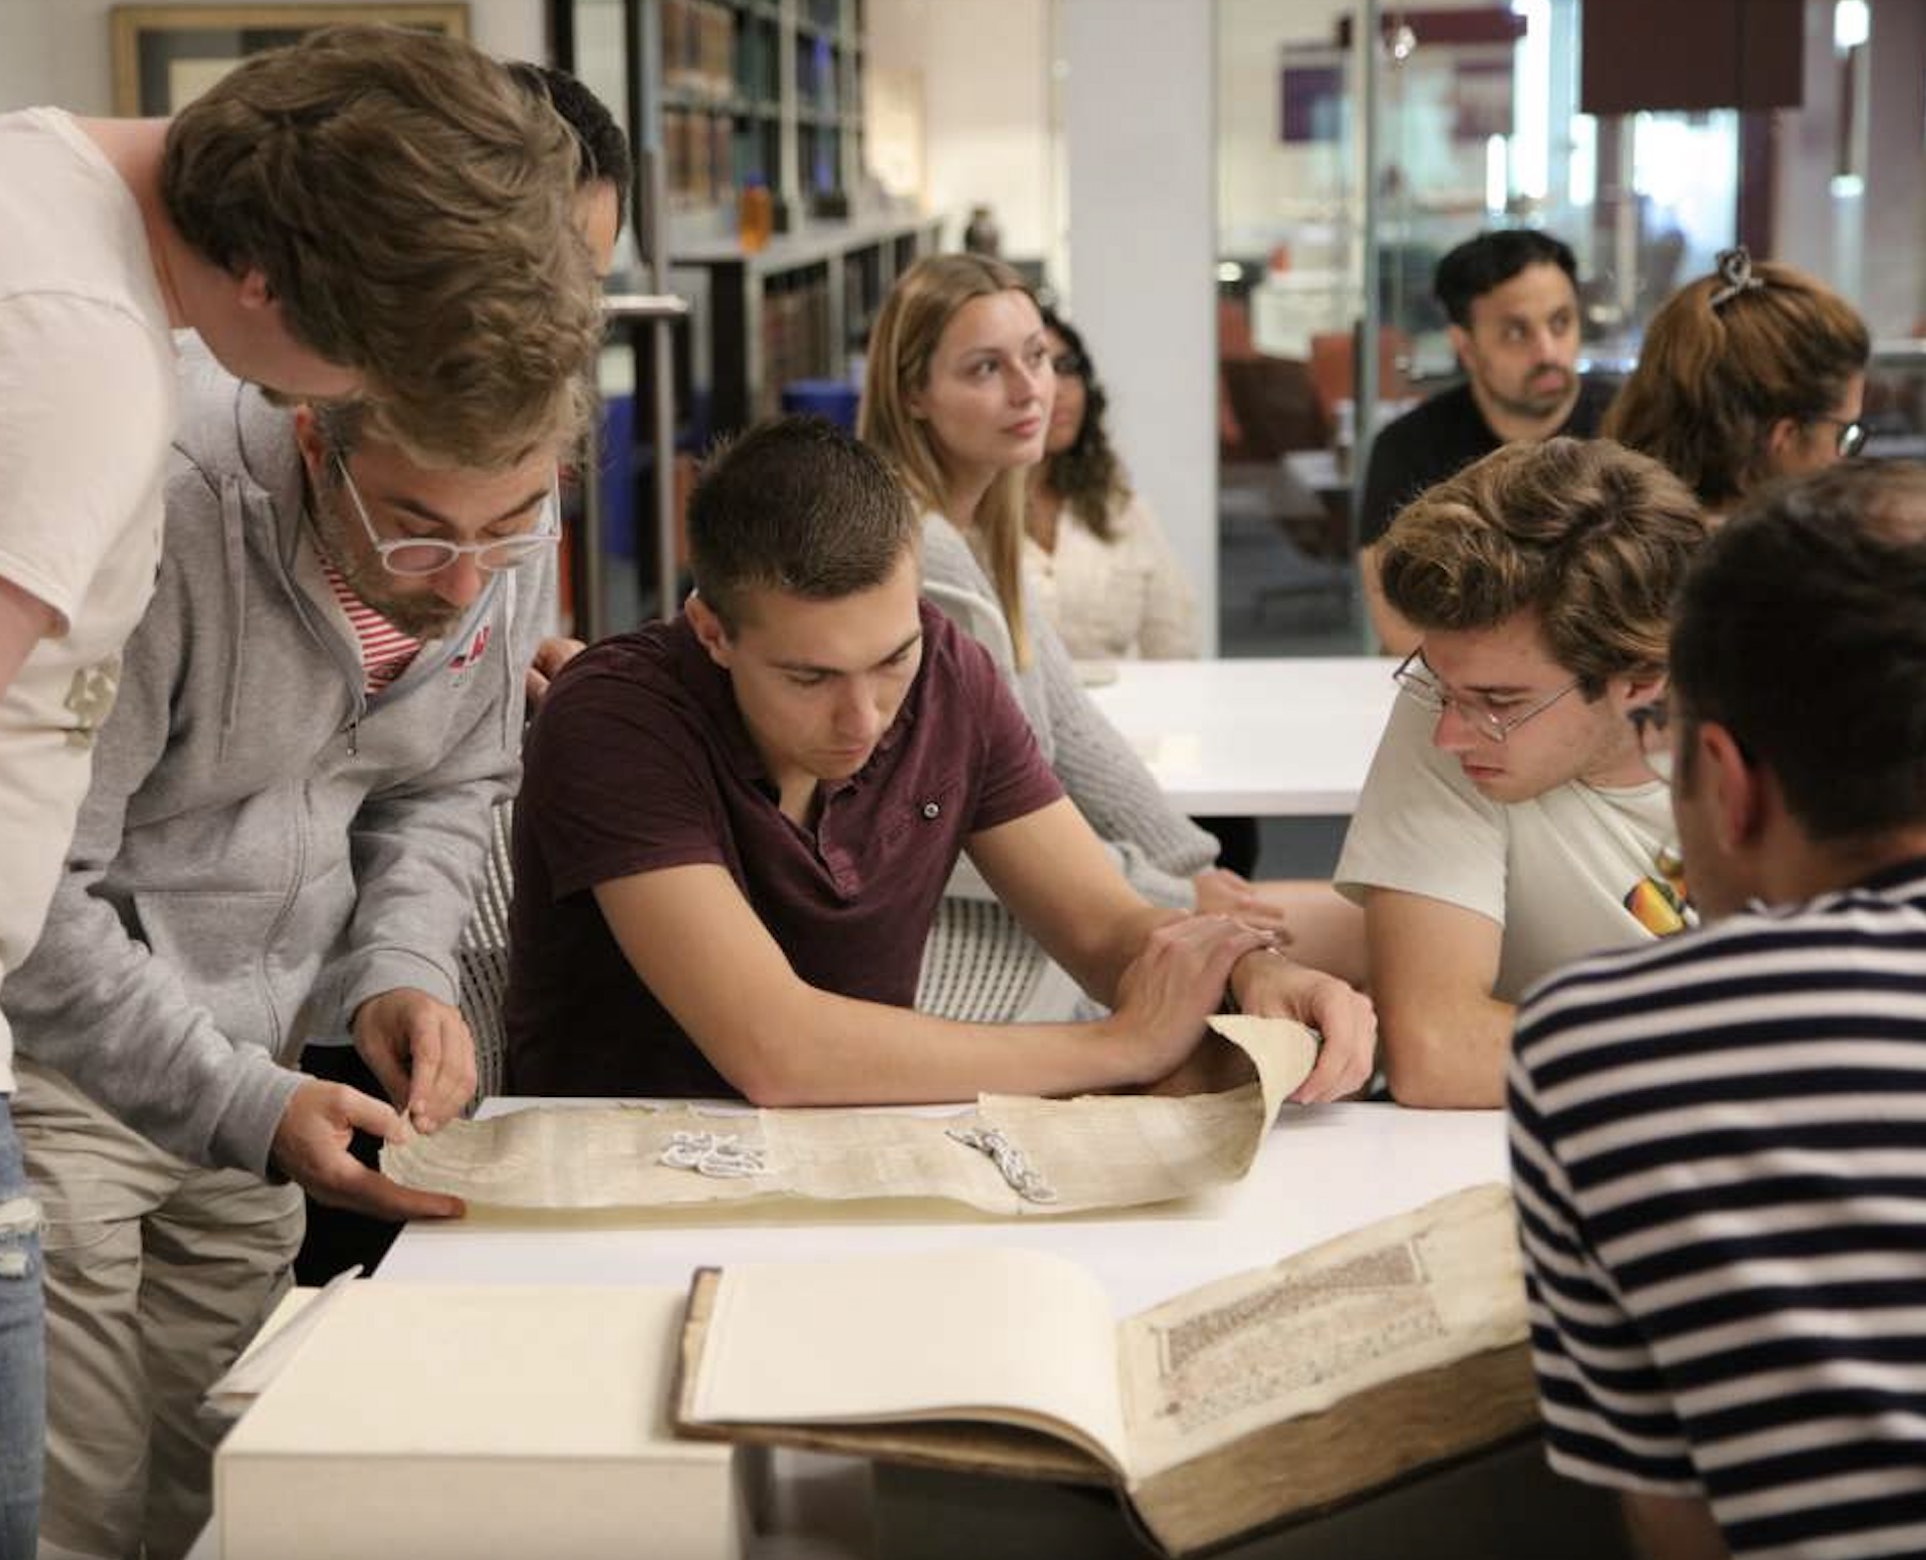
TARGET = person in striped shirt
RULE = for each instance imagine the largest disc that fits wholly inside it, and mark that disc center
(1719, 1141)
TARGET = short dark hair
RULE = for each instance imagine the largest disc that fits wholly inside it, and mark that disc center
(799, 506)
(599, 140)
(1591, 537)
(1800, 629)
(1490, 260)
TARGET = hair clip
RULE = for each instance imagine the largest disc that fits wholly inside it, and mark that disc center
(1735, 270)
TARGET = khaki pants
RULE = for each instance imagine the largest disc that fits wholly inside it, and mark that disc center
(157, 1275)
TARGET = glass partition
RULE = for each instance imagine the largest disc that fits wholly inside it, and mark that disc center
(1331, 222)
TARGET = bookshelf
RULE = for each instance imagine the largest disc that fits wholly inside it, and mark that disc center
(799, 308)
(715, 94)
(767, 91)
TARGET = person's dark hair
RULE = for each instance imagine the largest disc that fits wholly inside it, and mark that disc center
(1723, 360)
(599, 140)
(799, 506)
(1590, 537)
(1799, 629)
(1490, 260)
(1088, 476)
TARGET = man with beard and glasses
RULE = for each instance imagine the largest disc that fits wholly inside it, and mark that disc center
(289, 808)
(1512, 299)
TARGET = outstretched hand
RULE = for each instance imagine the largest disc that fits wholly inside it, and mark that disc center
(311, 1148)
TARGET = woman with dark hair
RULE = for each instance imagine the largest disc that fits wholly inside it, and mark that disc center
(1753, 372)
(1094, 553)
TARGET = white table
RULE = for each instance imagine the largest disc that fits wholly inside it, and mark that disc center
(1323, 1171)
(1284, 737)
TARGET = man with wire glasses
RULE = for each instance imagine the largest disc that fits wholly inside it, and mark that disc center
(1719, 1143)
(1511, 820)
(289, 809)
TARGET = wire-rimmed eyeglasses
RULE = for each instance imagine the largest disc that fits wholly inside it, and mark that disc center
(1422, 684)
(1850, 439)
(416, 557)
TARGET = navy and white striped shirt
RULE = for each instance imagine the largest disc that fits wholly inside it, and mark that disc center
(1719, 1153)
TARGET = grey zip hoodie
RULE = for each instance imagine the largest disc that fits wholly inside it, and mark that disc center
(263, 848)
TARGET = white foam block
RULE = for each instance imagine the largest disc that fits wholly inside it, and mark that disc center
(446, 1422)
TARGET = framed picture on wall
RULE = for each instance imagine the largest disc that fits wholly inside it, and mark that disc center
(167, 55)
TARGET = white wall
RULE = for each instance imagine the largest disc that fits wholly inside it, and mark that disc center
(984, 67)
(1262, 183)
(1140, 148)
(57, 51)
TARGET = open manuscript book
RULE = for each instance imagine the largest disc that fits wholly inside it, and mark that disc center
(1236, 1406)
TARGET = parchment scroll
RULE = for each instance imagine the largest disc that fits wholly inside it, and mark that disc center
(1009, 1154)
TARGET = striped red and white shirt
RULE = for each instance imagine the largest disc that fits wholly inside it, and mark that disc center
(386, 652)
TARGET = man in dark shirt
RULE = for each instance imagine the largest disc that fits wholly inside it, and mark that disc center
(735, 827)
(1512, 298)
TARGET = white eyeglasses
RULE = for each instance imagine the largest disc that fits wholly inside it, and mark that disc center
(414, 557)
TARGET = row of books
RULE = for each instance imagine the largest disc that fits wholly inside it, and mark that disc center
(700, 150)
(795, 336)
(698, 48)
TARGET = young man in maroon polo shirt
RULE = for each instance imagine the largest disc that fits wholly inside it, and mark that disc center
(734, 829)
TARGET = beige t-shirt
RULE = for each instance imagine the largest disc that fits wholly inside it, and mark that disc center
(1564, 874)
(87, 383)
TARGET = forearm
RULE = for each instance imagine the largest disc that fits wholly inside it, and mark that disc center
(418, 859)
(1098, 964)
(118, 1022)
(829, 1050)
(1444, 1053)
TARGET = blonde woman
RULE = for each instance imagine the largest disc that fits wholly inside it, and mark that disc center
(959, 393)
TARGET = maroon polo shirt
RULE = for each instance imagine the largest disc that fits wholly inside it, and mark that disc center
(640, 761)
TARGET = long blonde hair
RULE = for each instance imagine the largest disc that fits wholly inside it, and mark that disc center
(912, 321)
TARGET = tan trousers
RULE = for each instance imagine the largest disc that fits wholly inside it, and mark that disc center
(157, 1275)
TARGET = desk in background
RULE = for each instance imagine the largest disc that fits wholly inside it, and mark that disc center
(1290, 737)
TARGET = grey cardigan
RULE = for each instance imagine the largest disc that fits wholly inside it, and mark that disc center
(263, 847)
(1157, 847)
